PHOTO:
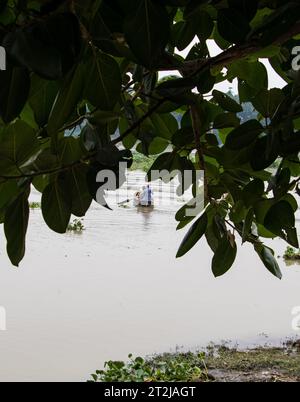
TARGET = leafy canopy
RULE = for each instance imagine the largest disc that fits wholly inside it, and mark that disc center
(83, 78)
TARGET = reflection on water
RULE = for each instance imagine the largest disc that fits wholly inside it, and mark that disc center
(291, 263)
(79, 300)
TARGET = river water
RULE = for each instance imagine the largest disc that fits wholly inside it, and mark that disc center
(81, 299)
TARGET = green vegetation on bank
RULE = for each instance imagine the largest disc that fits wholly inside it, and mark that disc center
(76, 226)
(175, 369)
(218, 363)
(142, 162)
(34, 205)
(291, 254)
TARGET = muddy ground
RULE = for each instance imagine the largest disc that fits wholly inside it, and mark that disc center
(262, 364)
(255, 365)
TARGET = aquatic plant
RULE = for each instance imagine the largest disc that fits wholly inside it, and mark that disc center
(76, 226)
(218, 363)
(34, 205)
(291, 254)
(155, 370)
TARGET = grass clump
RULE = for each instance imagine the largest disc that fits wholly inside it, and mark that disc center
(34, 205)
(142, 162)
(76, 226)
(291, 254)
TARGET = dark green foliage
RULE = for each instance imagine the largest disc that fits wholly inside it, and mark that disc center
(193, 236)
(15, 227)
(224, 257)
(83, 78)
(57, 205)
(163, 370)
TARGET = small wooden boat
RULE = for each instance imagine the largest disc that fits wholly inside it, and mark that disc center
(145, 209)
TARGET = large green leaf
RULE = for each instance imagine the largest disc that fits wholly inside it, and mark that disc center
(156, 147)
(244, 135)
(213, 236)
(57, 205)
(70, 150)
(165, 125)
(267, 257)
(147, 31)
(8, 191)
(194, 234)
(18, 147)
(254, 73)
(68, 98)
(224, 257)
(226, 120)
(199, 23)
(232, 25)
(280, 220)
(280, 215)
(41, 98)
(15, 227)
(279, 22)
(267, 102)
(245, 7)
(205, 81)
(182, 34)
(248, 225)
(265, 152)
(48, 47)
(14, 91)
(204, 23)
(226, 102)
(253, 192)
(81, 197)
(102, 81)
(163, 162)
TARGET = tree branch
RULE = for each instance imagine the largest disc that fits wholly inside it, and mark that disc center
(138, 123)
(192, 68)
(197, 134)
(42, 172)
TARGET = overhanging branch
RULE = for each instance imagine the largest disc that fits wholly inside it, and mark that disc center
(237, 52)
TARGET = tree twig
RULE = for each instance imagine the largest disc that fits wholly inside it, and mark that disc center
(197, 135)
(42, 172)
(138, 123)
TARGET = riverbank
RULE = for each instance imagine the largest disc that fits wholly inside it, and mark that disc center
(141, 162)
(291, 254)
(215, 364)
(256, 365)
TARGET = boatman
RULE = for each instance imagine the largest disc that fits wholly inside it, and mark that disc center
(147, 196)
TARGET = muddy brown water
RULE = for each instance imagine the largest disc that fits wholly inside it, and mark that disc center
(79, 300)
